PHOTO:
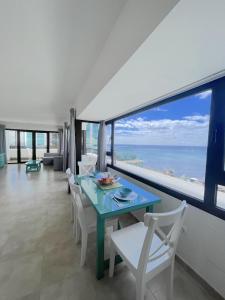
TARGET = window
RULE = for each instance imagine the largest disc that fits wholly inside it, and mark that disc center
(53, 142)
(26, 145)
(220, 202)
(89, 138)
(167, 143)
(41, 144)
(11, 146)
(23, 145)
(109, 143)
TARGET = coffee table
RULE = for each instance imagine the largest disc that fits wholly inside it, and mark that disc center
(33, 166)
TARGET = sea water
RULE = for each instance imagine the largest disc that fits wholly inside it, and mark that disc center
(181, 161)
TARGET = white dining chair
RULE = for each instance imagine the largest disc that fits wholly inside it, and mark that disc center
(85, 203)
(87, 220)
(146, 249)
(68, 174)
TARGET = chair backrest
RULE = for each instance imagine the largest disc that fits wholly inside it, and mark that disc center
(68, 173)
(86, 168)
(77, 194)
(172, 220)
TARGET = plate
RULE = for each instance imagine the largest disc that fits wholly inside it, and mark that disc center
(130, 197)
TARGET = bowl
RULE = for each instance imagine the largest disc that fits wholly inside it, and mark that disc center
(124, 192)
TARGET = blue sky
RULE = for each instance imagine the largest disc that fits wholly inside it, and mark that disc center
(183, 122)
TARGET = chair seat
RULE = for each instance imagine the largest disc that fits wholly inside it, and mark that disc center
(129, 242)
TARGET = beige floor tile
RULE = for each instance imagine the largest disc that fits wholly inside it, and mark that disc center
(20, 276)
(38, 255)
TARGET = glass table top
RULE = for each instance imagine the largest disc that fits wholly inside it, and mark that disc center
(103, 201)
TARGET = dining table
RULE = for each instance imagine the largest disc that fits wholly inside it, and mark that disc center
(106, 206)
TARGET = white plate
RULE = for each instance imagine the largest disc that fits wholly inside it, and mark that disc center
(130, 197)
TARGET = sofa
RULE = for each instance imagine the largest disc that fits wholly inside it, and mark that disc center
(49, 157)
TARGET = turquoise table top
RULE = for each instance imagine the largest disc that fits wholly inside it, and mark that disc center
(103, 201)
(33, 162)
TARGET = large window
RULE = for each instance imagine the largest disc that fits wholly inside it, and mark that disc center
(167, 143)
(177, 146)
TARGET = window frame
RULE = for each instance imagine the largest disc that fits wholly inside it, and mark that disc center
(215, 173)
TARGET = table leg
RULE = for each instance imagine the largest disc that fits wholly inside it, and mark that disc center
(100, 247)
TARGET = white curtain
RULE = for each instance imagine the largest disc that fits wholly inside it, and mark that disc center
(72, 143)
(60, 149)
(101, 161)
(65, 147)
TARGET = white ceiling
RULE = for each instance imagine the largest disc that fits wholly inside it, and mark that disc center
(186, 47)
(47, 49)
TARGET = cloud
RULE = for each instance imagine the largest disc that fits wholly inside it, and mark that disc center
(204, 94)
(199, 118)
(190, 130)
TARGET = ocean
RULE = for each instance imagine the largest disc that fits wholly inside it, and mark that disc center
(182, 161)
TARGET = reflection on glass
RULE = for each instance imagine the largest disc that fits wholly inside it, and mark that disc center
(11, 146)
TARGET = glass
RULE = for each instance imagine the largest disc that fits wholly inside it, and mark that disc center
(109, 143)
(26, 142)
(41, 144)
(220, 201)
(54, 142)
(90, 138)
(167, 144)
(11, 146)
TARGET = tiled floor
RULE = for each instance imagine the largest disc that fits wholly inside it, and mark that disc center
(38, 257)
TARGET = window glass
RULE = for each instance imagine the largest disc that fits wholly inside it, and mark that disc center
(41, 144)
(90, 138)
(26, 145)
(167, 143)
(11, 146)
(53, 142)
(220, 196)
(109, 143)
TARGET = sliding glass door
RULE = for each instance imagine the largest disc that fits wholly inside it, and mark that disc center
(41, 144)
(11, 146)
(26, 146)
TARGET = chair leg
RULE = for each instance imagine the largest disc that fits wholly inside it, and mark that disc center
(72, 212)
(77, 231)
(112, 260)
(84, 239)
(171, 280)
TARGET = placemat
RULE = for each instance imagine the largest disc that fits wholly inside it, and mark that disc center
(108, 187)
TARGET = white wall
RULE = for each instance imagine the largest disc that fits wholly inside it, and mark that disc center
(136, 22)
(202, 244)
